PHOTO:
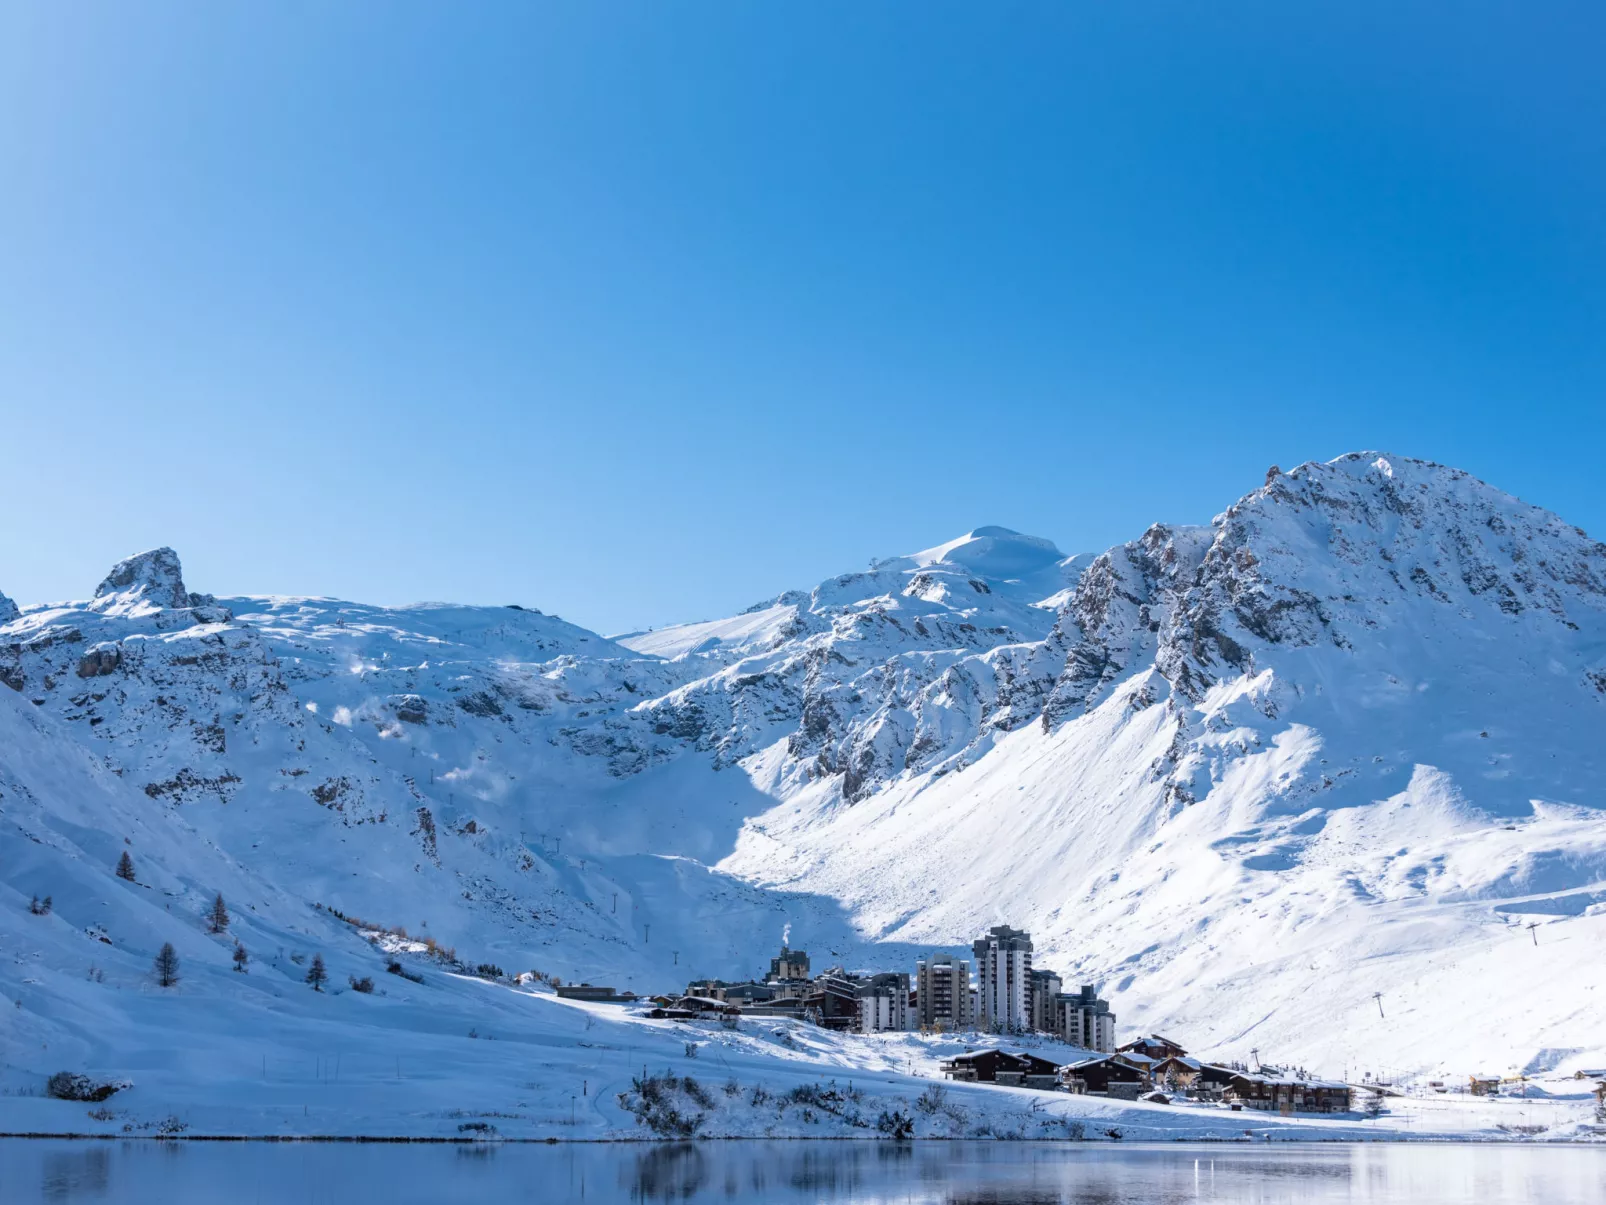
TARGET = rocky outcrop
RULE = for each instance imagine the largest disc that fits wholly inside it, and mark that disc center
(148, 579)
(8, 609)
(102, 659)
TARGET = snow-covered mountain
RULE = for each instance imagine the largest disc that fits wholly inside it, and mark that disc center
(1344, 741)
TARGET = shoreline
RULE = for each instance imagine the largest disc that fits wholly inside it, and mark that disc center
(425, 1140)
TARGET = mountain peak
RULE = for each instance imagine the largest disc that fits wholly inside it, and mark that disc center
(8, 609)
(146, 581)
(993, 552)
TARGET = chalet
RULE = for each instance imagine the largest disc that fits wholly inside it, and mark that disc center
(1123, 1076)
(1288, 1094)
(1199, 1080)
(1002, 1067)
(1154, 1047)
(1485, 1087)
(692, 1008)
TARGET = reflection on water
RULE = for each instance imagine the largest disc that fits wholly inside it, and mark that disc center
(938, 1173)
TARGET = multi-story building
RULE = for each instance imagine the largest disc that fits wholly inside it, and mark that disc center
(942, 992)
(1044, 987)
(834, 1000)
(1084, 1020)
(883, 1003)
(1003, 979)
(792, 964)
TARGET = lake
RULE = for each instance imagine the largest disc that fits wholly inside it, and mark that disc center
(952, 1173)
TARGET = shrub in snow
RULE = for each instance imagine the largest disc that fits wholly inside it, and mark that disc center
(396, 968)
(66, 1085)
(166, 965)
(240, 957)
(931, 1100)
(125, 867)
(659, 1103)
(488, 970)
(364, 985)
(41, 907)
(483, 1128)
(691, 1050)
(896, 1124)
(317, 973)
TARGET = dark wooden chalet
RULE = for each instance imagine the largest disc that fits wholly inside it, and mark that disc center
(691, 1008)
(1002, 1067)
(1153, 1046)
(1128, 1074)
(1200, 1080)
(1282, 1094)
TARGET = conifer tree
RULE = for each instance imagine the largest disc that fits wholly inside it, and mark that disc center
(125, 867)
(219, 919)
(240, 958)
(316, 974)
(166, 965)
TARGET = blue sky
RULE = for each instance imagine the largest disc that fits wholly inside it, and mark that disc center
(643, 312)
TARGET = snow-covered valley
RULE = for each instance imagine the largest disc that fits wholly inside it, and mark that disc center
(1324, 779)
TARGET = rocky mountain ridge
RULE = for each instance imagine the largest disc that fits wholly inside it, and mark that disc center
(1228, 696)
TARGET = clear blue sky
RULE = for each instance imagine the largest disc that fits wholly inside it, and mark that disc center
(642, 312)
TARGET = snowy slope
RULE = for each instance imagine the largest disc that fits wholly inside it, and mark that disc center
(1344, 741)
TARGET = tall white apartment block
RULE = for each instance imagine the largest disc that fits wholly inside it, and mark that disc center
(1003, 959)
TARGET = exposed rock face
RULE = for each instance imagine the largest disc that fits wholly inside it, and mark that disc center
(148, 580)
(410, 708)
(101, 660)
(8, 609)
(913, 664)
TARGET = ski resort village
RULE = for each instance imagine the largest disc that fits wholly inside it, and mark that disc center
(1288, 825)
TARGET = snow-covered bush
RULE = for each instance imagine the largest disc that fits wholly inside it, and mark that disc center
(68, 1085)
(896, 1124)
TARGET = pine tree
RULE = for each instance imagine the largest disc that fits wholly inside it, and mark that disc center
(166, 966)
(125, 867)
(316, 974)
(219, 920)
(240, 958)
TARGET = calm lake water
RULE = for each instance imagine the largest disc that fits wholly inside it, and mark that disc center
(756, 1173)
